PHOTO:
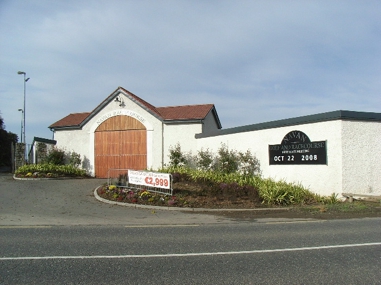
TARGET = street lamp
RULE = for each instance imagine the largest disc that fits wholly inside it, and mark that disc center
(24, 110)
(22, 116)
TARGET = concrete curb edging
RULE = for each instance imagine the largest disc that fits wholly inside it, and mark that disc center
(45, 178)
(180, 209)
(31, 178)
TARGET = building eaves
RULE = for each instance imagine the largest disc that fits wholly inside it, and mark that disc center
(42, 140)
(185, 112)
(72, 121)
(322, 117)
(188, 113)
(171, 114)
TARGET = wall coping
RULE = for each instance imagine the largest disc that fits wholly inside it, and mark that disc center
(317, 118)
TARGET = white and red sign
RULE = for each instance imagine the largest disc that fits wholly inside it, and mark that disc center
(150, 179)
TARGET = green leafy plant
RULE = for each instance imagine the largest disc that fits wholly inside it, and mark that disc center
(74, 159)
(145, 195)
(56, 156)
(248, 164)
(176, 156)
(52, 169)
(268, 191)
(332, 199)
(227, 160)
(204, 159)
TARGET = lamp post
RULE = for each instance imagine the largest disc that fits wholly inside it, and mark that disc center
(24, 110)
(22, 116)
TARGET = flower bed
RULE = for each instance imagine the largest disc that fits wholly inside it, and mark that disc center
(49, 171)
(37, 175)
(186, 195)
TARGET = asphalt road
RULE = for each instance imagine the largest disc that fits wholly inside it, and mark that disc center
(55, 232)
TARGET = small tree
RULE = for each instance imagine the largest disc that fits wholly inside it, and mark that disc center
(205, 159)
(176, 157)
(6, 140)
(56, 156)
(227, 160)
(74, 159)
(248, 164)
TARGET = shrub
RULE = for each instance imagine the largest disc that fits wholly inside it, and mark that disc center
(283, 193)
(248, 164)
(56, 156)
(74, 159)
(225, 161)
(176, 157)
(50, 170)
(205, 159)
(267, 191)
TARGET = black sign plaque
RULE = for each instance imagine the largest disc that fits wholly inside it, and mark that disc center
(296, 148)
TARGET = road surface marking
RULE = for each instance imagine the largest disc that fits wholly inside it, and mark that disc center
(24, 227)
(192, 254)
(160, 226)
(294, 222)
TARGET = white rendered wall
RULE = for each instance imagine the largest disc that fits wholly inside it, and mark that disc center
(160, 137)
(182, 134)
(77, 141)
(321, 179)
(82, 141)
(361, 157)
(209, 123)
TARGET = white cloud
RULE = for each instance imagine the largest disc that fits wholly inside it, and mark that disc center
(256, 60)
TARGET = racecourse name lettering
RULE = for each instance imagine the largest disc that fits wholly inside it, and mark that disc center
(296, 148)
(300, 146)
(120, 113)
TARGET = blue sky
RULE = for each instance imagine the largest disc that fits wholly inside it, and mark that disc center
(257, 61)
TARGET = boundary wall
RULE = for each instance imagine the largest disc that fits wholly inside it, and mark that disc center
(353, 150)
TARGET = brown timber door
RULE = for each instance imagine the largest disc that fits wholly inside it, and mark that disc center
(120, 142)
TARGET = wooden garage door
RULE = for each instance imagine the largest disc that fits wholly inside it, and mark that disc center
(120, 142)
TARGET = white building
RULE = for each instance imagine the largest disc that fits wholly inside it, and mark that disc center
(335, 152)
(125, 131)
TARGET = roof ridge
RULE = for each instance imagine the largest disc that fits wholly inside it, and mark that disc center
(208, 104)
(168, 113)
(142, 101)
(80, 113)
